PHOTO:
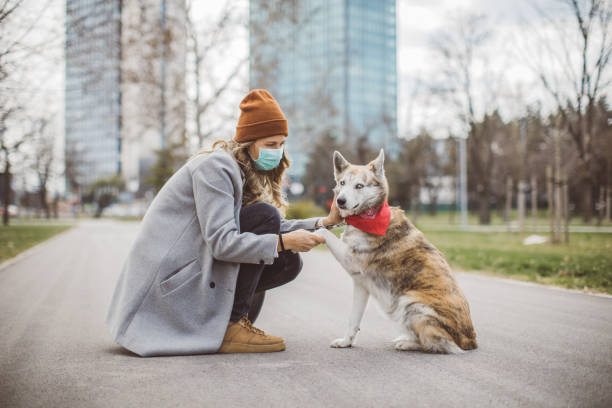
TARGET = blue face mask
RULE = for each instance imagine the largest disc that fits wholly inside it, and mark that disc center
(268, 158)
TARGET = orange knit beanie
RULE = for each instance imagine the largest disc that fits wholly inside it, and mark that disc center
(260, 116)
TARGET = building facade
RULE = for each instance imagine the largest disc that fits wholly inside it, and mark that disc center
(125, 93)
(93, 88)
(331, 64)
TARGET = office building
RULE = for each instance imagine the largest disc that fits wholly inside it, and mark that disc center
(125, 93)
(331, 64)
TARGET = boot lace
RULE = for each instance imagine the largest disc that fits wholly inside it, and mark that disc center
(247, 324)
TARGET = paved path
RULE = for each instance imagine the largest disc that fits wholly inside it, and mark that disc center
(538, 346)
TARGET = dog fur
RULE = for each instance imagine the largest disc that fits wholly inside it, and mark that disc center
(402, 270)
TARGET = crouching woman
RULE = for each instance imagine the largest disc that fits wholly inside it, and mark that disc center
(212, 241)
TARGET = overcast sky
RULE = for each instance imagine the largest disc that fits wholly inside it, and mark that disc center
(418, 22)
(417, 25)
(509, 22)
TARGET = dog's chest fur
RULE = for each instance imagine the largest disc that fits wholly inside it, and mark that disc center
(397, 262)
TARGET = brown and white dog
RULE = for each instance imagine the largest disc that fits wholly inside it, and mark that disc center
(400, 268)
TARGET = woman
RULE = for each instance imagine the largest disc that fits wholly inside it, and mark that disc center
(212, 237)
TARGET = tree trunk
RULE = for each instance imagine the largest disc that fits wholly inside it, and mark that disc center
(7, 193)
(43, 202)
(433, 203)
(534, 200)
(484, 212)
(509, 185)
(587, 202)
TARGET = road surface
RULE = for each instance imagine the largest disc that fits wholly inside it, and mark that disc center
(539, 347)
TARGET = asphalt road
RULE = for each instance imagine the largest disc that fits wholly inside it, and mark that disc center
(539, 347)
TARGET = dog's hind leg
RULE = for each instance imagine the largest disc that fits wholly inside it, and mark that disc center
(432, 337)
(360, 300)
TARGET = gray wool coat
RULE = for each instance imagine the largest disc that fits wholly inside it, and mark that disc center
(175, 292)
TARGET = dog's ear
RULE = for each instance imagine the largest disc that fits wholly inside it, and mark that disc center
(340, 163)
(377, 165)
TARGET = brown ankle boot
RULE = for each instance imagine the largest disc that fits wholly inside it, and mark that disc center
(243, 337)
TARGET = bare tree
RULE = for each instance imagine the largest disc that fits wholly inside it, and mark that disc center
(43, 158)
(573, 67)
(203, 45)
(215, 90)
(152, 67)
(73, 164)
(8, 148)
(18, 20)
(28, 40)
(468, 83)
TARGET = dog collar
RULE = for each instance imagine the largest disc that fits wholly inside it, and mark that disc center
(373, 220)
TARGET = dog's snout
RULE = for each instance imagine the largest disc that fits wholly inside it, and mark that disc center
(341, 202)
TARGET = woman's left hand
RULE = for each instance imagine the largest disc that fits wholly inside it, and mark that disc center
(334, 213)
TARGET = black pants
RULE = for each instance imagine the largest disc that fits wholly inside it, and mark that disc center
(254, 279)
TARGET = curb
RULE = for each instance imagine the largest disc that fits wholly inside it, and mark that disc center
(34, 249)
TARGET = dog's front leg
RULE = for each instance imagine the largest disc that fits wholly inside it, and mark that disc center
(338, 248)
(360, 300)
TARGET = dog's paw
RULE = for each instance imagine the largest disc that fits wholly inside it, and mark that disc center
(322, 232)
(341, 343)
(406, 345)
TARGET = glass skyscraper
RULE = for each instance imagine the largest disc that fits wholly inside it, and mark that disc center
(331, 64)
(93, 97)
(125, 93)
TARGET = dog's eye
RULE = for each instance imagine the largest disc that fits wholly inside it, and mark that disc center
(342, 182)
(359, 185)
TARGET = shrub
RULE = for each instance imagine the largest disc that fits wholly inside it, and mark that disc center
(304, 209)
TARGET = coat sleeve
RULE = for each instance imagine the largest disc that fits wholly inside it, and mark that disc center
(291, 225)
(214, 202)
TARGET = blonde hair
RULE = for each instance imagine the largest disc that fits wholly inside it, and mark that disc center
(260, 185)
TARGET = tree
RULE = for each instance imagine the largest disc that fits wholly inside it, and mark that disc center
(205, 43)
(319, 176)
(103, 192)
(216, 37)
(470, 85)
(422, 165)
(9, 147)
(25, 41)
(73, 163)
(573, 66)
(44, 159)
(153, 54)
(168, 159)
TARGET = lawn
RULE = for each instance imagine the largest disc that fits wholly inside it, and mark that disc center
(586, 263)
(452, 220)
(17, 238)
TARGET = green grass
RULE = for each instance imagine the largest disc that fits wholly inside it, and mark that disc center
(585, 264)
(453, 219)
(128, 218)
(17, 238)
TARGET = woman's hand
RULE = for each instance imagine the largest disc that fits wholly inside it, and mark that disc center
(301, 240)
(334, 214)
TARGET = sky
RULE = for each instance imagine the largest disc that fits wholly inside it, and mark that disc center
(418, 24)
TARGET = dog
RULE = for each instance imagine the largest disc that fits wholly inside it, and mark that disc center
(407, 275)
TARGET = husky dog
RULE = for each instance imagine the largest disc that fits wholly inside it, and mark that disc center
(399, 267)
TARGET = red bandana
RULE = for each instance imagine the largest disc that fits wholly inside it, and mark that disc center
(373, 220)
